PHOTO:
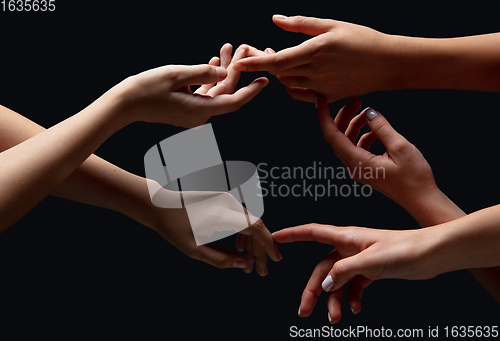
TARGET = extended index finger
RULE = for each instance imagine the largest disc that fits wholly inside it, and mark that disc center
(311, 232)
(282, 60)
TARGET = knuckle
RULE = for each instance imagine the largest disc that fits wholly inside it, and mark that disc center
(402, 146)
(338, 269)
(299, 19)
(243, 46)
(191, 252)
(280, 62)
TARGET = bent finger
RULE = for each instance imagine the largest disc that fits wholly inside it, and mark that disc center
(341, 145)
(302, 94)
(313, 288)
(334, 304)
(219, 257)
(259, 232)
(346, 113)
(355, 292)
(231, 102)
(282, 60)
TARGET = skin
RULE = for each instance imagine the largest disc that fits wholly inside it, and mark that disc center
(62, 155)
(343, 60)
(362, 255)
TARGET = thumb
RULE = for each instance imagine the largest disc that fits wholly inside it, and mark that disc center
(380, 127)
(342, 271)
(307, 25)
(197, 74)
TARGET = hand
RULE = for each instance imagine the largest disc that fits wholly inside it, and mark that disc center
(361, 255)
(163, 94)
(401, 173)
(342, 60)
(222, 213)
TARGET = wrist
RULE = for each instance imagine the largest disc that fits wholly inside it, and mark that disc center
(122, 98)
(393, 70)
(432, 207)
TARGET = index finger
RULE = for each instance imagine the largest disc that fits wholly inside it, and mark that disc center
(313, 288)
(282, 60)
(325, 234)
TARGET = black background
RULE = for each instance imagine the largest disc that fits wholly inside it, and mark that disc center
(68, 269)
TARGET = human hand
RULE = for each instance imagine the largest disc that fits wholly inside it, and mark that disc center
(361, 256)
(401, 173)
(222, 213)
(342, 60)
(163, 94)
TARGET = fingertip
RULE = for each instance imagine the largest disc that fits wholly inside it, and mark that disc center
(226, 46)
(221, 72)
(356, 307)
(239, 66)
(214, 61)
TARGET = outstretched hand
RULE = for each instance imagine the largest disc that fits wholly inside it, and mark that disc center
(163, 94)
(341, 60)
(361, 256)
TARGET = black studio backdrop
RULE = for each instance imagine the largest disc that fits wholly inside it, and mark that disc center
(68, 269)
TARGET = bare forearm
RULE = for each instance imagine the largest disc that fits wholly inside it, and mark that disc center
(438, 209)
(95, 182)
(34, 168)
(478, 235)
(465, 63)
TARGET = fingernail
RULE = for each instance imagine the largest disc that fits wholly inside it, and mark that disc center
(299, 312)
(240, 264)
(353, 311)
(280, 17)
(221, 72)
(370, 113)
(327, 283)
(329, 318)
